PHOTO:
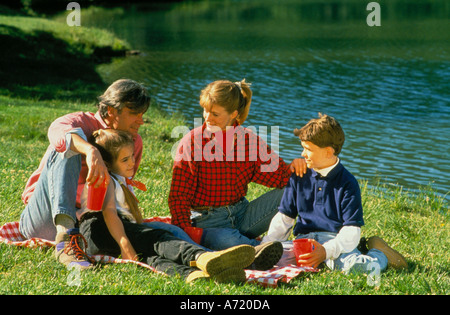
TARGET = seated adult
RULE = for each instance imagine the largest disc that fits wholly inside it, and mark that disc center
(52, 193)
(213, 167)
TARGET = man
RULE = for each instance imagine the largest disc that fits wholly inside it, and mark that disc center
(52, 194)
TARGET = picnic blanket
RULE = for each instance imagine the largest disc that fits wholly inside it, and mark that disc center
(284, 272)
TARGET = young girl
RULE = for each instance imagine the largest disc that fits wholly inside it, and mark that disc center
(118, 229)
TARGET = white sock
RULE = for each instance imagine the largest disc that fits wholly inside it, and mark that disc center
(63, 223)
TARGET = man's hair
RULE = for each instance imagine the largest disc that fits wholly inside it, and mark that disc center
(324, 131)
(124, 93)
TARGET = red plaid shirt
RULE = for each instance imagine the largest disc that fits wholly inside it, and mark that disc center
(208, 173)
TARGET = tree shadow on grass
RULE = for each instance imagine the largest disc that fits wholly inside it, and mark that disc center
(39, 66)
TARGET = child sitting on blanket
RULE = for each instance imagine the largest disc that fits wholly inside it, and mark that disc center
(325, 206)
(118, 229)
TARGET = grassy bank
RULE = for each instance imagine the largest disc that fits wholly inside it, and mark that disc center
(415, 224)
(48, 70)
(45, 59)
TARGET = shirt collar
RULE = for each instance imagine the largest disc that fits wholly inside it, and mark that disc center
(100, 120)
(121, 179)
(325, 171)
(209, 135)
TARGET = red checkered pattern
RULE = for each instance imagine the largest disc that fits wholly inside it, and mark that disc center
(270, 278)
(9, 234)
(215, 173)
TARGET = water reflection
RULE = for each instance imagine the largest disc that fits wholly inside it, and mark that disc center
(388, 85)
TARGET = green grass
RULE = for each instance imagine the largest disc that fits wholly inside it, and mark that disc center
(81, 39)
(48, 69)
(46, 59)
(417, 224)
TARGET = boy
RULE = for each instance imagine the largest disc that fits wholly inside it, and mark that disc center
(325, 206)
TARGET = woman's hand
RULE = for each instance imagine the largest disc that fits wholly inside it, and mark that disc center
(299, 167)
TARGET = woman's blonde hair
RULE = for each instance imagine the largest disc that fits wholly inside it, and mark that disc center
(109, 142)
(229, 95)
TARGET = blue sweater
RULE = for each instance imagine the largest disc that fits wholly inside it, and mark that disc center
(323, 203)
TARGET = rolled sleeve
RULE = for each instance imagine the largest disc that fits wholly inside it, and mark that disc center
(66, 151)
(345, 241)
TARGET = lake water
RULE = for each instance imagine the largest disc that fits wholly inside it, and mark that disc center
(388, 86)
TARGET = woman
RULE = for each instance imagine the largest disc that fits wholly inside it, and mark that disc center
(214, 165)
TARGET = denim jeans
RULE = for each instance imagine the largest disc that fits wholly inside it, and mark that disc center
(239, 223)
(55, 193)
(353, 261)
(175, 230)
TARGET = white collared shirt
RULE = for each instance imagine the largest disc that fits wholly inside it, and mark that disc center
(324, 171)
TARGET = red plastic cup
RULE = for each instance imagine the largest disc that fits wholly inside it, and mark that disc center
(302, 246)
(195, 233)
(96, 196)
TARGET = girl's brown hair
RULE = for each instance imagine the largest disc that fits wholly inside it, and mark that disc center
(109, 142)
(229, 95)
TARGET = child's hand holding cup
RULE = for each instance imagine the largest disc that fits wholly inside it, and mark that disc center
(302, 246)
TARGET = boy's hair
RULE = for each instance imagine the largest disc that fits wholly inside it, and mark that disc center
(124, 93)
(109, 142)
(230, 95)
(324, 131)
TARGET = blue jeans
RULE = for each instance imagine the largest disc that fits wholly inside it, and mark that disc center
(239, 223)
(175, 230)
(353, 261)
(55, 193)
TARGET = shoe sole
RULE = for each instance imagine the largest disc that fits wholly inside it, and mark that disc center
(395, 259)
(215, 263)
(268, 256)
(235, 275)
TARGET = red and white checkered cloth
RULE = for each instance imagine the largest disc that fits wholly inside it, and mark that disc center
(9, 234)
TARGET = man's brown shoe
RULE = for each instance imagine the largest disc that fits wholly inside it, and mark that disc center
(267, 255)
(395, 259)
(68, 249)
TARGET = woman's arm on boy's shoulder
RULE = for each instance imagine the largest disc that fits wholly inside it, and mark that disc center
(115, 225)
